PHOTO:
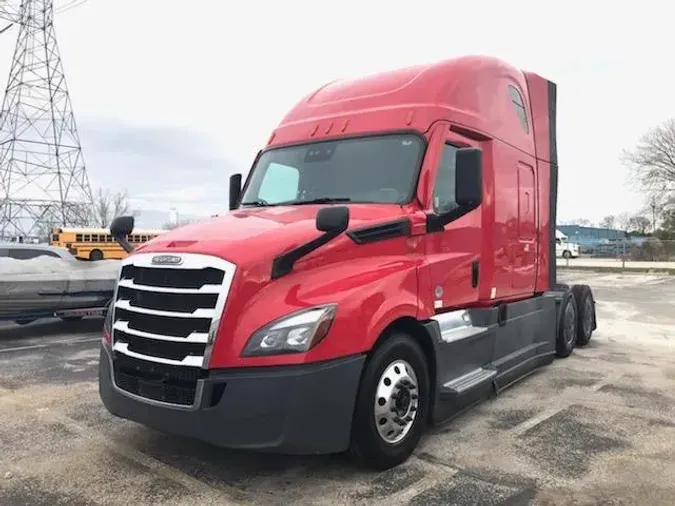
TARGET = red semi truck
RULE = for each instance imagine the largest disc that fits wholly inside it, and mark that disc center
(389, 262)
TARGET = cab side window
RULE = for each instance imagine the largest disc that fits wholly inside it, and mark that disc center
(279, 184)
(519, 106)
(444, 188)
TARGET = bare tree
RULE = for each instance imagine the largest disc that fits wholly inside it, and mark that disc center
(652, 161)
(608, 222)
(657, 207)
(107, 206)
(622, 221)
(668, 223)
(638, 224)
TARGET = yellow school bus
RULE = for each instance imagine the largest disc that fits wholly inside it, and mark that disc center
(97, 243)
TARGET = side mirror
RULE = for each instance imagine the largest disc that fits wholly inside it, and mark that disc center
(469, 177)
(235, 190)
(332, 219)
(122, 226)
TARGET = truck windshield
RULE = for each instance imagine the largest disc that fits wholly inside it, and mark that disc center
(377, 169)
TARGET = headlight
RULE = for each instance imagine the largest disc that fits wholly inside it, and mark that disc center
(295, 333)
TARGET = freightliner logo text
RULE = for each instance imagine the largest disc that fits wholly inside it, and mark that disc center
(167, 260)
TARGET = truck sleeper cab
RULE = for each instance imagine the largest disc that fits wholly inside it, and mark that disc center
(388, 263)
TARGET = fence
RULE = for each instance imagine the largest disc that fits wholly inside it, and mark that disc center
(647, 254)
(649, 249)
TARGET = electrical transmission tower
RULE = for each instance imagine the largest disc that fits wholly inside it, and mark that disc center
(43, 179)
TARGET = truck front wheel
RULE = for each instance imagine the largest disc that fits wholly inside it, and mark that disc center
(392, 404)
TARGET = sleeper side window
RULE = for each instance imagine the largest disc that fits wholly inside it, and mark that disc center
(519, 106)
(444, 188)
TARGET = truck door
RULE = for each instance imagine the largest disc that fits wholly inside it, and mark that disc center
(453, 254)
(525, 246)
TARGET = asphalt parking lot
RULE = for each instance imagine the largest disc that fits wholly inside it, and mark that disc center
(596, 428)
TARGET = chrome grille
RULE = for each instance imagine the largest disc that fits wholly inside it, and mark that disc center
(169, 315)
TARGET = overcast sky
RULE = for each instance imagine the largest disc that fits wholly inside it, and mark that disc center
(172, 96)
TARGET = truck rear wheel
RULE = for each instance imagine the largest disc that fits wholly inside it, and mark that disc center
(586, 308)
(567, 325)
(391, 405)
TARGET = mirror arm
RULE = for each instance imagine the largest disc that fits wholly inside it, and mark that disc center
(126, 245)
(434, 223)
(437, 222)
(283, 264)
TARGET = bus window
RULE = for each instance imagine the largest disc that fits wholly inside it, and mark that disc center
(85, 242)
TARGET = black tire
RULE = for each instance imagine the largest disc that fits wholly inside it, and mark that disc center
(567, 326)
(367, 447)
(586, 323)
(567, 254)
(24, 322)
(95, 254)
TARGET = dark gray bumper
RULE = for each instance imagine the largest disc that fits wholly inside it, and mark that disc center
(305, 409)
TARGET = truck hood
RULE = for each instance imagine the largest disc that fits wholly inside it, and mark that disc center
(249, 235)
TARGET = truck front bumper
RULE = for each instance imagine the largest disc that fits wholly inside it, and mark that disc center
(305, 409)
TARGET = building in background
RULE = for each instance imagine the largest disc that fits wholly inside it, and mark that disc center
(600, 242)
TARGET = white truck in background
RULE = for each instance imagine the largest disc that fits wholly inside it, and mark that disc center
(564, 248)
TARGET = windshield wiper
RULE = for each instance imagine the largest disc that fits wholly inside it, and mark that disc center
(255, 203)
(321, 200)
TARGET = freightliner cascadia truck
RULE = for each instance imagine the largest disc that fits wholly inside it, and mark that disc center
(388, 263)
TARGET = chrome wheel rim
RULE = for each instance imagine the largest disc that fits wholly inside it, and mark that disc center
(396, 401)
(588, 315)
(570, 323)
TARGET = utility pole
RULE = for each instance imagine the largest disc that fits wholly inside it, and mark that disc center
(43, 178)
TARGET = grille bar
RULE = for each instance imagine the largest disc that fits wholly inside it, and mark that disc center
(188, 361)
(164, 326)
(197, 313)
(130, 283)
(194, 337)
(170, 277)
(167, 316)
(173, 302)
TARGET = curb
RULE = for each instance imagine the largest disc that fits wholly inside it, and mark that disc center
(633, 270)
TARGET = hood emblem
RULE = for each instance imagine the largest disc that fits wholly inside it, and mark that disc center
(167, 260)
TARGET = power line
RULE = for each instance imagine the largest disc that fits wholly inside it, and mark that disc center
(69, 6)
(13, 13)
